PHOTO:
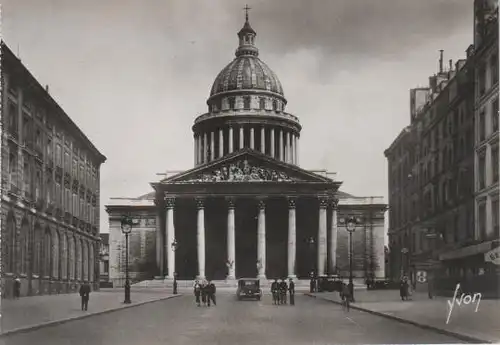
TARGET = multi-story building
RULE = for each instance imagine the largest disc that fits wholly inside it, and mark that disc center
(104, 261)
(50, 189)
(431, 191)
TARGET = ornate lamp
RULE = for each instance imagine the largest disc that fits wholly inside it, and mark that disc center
(126, 225)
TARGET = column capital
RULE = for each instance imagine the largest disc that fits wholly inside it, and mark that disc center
(169, 201)
(261, 202)
(200, 203)
(334, 202)
(230, 202)
(291, 201)
(323, 201)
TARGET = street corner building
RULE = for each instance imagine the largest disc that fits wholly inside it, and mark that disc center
(444, 208)
(50, 190)
(246, 209)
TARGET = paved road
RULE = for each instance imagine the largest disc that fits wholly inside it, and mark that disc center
(179, 321)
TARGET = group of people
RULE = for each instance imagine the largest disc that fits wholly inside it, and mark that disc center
(204, 292)
(280, 289)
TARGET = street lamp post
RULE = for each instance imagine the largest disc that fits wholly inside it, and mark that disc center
(310, 242)
(126, 225)
(350, 225)
(174, 248)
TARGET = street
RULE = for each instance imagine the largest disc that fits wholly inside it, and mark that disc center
(179, 321)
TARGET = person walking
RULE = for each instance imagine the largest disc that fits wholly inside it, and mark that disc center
(204, 291)
(211, 293)
(291, 290)
(197, 292)
(275, 291)
(17, 287)
(345, 295)
(403, 289)
(283, 291)
(85, 295)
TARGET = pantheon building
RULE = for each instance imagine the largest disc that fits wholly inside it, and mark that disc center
(246, 208)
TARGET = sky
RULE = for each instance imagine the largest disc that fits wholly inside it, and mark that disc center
(133, 75)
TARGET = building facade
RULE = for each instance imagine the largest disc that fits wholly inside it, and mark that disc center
(247, 209)
(50, 190)
(443, 200)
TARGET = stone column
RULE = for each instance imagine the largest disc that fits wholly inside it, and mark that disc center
(212, 146)
(272, 143)
(205, 148)
(292, 151)
(200, 234)
(288, 150)
(221, 143)
(263, 140)
(252, 138)
(322, 244)
(261, 240)
(231, 243)
(159, 241)
(297, 150)
(333, 236)
(242, 137)
(195, 150)
(281, 146)
(291, 237)
(230, 139)
(170, 229)
(200, 149)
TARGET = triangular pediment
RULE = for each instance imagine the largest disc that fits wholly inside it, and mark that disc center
(246, 166)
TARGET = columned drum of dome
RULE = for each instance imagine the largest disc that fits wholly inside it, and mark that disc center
(246, 108)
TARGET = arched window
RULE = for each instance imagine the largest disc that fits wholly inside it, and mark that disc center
(71, 261)
(10, 245)
(47, 252)
(24, 247)
(231, 102)
(55, 255)
(64, 255)
(275, 105)
(85, 261)
(38, 250)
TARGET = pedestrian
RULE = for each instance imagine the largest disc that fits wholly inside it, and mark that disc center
(403, 289)
(204, 291)
(346, 296)
(430, 288)
(311, 285)
(211, 293)
(17, 287)
(283, 291)
(274, 291)
(291, 290)
(197, 292)
(85, 295)
(175, 285)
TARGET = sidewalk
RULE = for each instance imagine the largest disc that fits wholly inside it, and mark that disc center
(482, 326)
(38, 311)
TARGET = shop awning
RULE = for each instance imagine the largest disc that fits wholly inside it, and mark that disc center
(480, 248)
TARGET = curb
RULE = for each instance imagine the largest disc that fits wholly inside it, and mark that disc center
(79, 317)
(459, 336)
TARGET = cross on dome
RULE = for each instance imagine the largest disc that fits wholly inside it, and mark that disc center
(246, 8)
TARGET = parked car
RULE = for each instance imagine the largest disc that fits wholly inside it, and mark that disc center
(249, 288)
(329, 283)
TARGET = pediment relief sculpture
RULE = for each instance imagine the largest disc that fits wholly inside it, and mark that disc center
(240, 171)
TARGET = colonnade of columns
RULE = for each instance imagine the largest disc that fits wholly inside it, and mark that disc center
(261, 237)
(285, 148)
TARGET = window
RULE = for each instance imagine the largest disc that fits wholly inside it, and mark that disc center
(482, 171)
(75, 168)
(494, 163)
(26, 178)
(246, 102)
(75, 205)
(495, 217)
(58, 155)
(231, 102)
(38, 185)
(262, 103)
(494, 115)
(48, 191)
(58, 194)
(13, 121)
(49, 148)
(13, 169)
(38, 138)
(494, 69)
(482, 79)
(482, 221)
(481, 124)
(67, 162)
(275, 105)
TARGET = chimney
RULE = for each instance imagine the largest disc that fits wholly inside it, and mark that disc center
(441, 61)
(47, 88)
(451, 64)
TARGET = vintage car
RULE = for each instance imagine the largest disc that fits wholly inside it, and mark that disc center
(329, 283)
(249, 288)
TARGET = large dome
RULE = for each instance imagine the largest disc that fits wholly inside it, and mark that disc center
(246, 72)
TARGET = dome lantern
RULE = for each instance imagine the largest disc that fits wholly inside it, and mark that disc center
(247, 38)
